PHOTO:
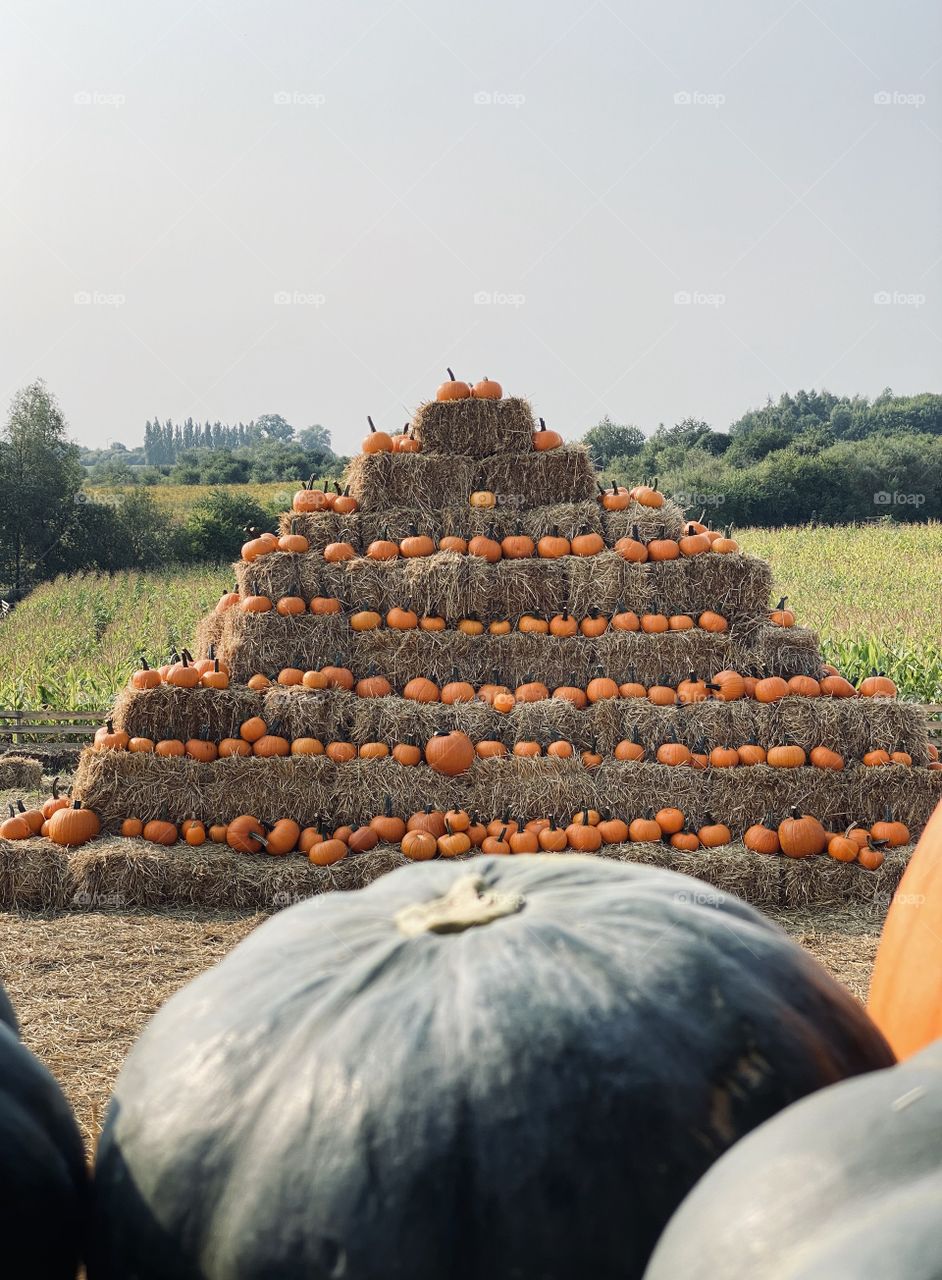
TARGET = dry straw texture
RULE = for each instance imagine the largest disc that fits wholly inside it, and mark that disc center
(455, 586)
(427, 482)
(118, 785)
(362, 527)
(849, 726)
(132, 873)
(20, 773)
(208, 631)
(266, 643)
(475, 427)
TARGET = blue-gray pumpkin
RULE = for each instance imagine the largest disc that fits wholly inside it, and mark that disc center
(515, 1067)
(43, 1173)
(846, 1185)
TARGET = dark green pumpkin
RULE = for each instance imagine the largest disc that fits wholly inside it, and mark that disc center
(846, 1185)
(43, 1176)
(354, 1093)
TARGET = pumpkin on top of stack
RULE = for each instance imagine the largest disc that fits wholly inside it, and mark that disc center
(584, 646)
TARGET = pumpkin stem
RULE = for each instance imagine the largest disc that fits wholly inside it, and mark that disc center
(466, 904)
(450, 374)
(370, 421)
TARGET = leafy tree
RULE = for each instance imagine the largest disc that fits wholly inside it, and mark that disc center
(272, 426)
(609, 440)
(112, 472)
(216, 525)
(277, 460)
(314, 438)
(40, 479)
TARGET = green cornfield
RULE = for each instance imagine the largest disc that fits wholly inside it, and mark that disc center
(179, 499)
(871, 593)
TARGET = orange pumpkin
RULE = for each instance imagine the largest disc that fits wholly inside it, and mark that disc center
(453, 389)
(376, 441)
(905, 998)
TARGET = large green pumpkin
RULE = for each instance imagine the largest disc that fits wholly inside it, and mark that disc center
(846, 1185)
(515, 1067)
(43, 1176)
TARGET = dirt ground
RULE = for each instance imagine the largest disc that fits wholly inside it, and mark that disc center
(84, 983)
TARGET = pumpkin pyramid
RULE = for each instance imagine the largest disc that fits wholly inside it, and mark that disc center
(598, 651)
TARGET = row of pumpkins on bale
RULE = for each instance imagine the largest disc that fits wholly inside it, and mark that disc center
(187, 672)
(696, 540)
(526, 1069)
(431, 833)
(452, 752)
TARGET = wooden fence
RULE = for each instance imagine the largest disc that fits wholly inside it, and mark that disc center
(60, 730)
(50, 730)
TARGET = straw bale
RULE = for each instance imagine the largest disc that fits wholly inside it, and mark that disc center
(20, 773)
(475, 427)
(555, 475)
(32, 875)
(425, 482)
(117, 785)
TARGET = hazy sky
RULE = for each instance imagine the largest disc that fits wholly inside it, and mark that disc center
(226, 209)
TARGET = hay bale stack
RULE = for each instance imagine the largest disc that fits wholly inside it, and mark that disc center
(570, 518)
(267, 642)
(456, 586)
(475, 427)
(118, 785)
(20, 773)
(849, 726)
(427, 482)
(134, 874)
(169, 712)
(470, 446)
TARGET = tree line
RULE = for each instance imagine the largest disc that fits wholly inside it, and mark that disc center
(812, 456)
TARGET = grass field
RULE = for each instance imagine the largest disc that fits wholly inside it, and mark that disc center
(181, 498)
(871, 592)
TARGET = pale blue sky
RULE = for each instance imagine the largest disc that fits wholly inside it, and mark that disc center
(147, 158)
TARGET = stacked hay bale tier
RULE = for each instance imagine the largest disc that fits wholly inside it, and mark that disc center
(448, 616)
